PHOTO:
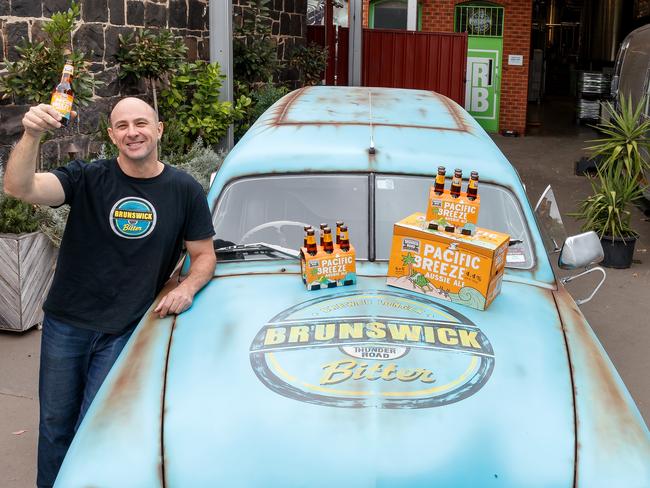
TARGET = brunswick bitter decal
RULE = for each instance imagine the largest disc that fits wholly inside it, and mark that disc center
(380, 349)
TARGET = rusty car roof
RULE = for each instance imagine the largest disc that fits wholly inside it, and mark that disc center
(322, 129)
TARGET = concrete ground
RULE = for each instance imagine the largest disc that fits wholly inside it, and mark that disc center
(619, 314)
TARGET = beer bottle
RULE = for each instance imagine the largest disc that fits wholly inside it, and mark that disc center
(344, 242)
(62, 95)
(322, 235)
(328, 245)
(339, 224)
(456, 182)
(439, 185)
(312, 249)
(304, 241)
(472, 186)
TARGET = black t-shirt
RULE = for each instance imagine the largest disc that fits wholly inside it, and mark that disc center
(122, 240)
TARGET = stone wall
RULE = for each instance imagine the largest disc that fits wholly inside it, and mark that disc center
(288, 20)
(102, 22)
(96, 35)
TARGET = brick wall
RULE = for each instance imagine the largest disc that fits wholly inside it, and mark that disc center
(438, 16)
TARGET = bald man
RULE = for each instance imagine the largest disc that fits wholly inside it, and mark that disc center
(129, 219)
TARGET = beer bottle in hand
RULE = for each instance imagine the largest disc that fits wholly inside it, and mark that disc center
(456, 182)
(62, 96)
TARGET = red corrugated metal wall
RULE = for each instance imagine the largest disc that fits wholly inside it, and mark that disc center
(338, 57)
(403, 59)
(424, 60)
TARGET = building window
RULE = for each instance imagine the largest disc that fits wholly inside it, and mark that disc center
(391, 14)
(482, 19)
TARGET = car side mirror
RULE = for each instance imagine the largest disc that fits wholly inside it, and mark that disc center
(580, 251)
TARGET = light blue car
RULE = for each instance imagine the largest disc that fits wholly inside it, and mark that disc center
(265, 384)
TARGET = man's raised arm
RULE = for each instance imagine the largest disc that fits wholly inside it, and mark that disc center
(21, 180)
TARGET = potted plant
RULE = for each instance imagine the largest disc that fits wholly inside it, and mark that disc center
(27, 260)
(607, 212)
(623, 152)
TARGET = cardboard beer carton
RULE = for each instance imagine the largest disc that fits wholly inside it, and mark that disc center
(452, 267)
(461, 213)
(325, 270)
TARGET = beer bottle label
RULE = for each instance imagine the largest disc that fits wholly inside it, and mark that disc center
(440, 179)
(62, 103)
(473, 184)
(68, 69)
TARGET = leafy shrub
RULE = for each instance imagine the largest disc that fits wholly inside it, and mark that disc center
(150, 56)
(37, 72)
(199, 161)
(191, 105)
(254, 51)
(310, 61)
(16, 217)
(261, 99)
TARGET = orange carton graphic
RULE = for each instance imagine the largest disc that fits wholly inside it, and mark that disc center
(453, 267)
(446, 211)
(328, 270)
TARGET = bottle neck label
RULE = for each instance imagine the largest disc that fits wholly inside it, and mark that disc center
(473, 184)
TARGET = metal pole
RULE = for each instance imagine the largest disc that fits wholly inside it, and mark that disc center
(356, 37)
(221, 52)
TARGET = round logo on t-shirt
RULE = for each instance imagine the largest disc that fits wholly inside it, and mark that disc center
(133, 218)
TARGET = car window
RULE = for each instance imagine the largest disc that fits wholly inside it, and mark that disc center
(274, 210)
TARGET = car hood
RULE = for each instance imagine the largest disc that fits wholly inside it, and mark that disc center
(270, 385)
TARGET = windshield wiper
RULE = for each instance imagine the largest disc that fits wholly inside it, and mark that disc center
(258, 248)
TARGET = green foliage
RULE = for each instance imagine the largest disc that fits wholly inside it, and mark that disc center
(254, 51)
(16, 217)
(191, 106)
(261, 99)
(626, 138)
(199, 161)
(310, 61)
(62, 24)
(38, 70)
(150, 56)
(606, 211)
(618, 185)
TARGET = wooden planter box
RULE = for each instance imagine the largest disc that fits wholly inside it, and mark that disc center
(26, 270)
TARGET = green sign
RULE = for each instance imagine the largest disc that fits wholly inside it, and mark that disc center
(483, 88)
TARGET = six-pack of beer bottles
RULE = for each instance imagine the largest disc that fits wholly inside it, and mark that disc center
(456, 184)
(453, 210)
(327, 244)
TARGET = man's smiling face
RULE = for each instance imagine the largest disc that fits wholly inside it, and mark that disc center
(135, 130)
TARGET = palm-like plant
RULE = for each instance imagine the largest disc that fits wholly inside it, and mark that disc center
(606, 211)
(618, 184)
(626, 139)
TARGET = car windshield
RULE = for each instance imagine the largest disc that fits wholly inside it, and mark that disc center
(275, 209)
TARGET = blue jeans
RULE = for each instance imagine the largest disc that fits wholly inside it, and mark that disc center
(74, 363)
